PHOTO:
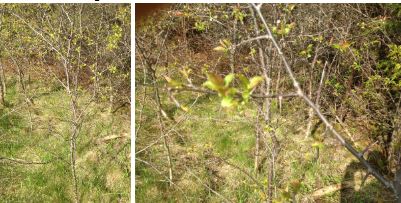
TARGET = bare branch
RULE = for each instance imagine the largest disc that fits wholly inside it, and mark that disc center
(255, 96)
(252, 39)
(388, 184)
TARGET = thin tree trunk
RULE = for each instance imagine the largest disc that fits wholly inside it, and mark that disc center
(71, 88)
(22, 81)
(159, 113)
(2, 87)
(265, 105)
(232, 51)
(317, 100)
(75, 125)
(310, 111)
(73, 149)
(161, 125)
(4, 80)
(111, 99)
(95, 73)
(271, 178)
(73, 142)
(321, 84)
(71, 91)
(2, 76)
(257, 144)
(74, 132)
(257, 153)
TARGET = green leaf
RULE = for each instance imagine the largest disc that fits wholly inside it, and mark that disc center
(287, 30)
(184, 108)
(226, 43)
(220, 49)
(274, 29)
(244, 81)
(227, 102)
(317, 144)
(336, 46)
(228, 79)
(172, 83)
(231, 91)
(245, 95)
(252, 52)
(210, 85)
(267, 128)
(200, 26)
(254, 82)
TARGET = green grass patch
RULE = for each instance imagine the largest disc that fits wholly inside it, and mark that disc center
(49, 141)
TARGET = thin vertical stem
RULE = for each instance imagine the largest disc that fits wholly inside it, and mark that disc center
(340, 138)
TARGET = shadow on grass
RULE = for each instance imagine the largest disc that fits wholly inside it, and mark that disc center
(359, 189)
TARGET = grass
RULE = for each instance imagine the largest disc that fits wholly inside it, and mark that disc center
(226, 135)
(40, 133)
(211, 131)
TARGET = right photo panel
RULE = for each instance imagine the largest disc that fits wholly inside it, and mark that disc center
(267, 102)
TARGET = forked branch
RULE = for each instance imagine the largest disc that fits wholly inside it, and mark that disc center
(387, 183)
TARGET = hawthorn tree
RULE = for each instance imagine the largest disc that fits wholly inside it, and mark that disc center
(84, 49)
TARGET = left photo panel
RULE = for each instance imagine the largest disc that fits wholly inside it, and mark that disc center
(65, 102)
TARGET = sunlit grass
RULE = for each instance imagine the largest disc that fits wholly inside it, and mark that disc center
(48, 141)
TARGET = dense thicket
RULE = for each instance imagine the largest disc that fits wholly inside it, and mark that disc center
(346, 59)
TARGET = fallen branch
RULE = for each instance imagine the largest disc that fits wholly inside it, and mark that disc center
(331, 189)
(21, 161)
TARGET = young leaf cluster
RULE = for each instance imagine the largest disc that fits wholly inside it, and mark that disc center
(232, 96)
